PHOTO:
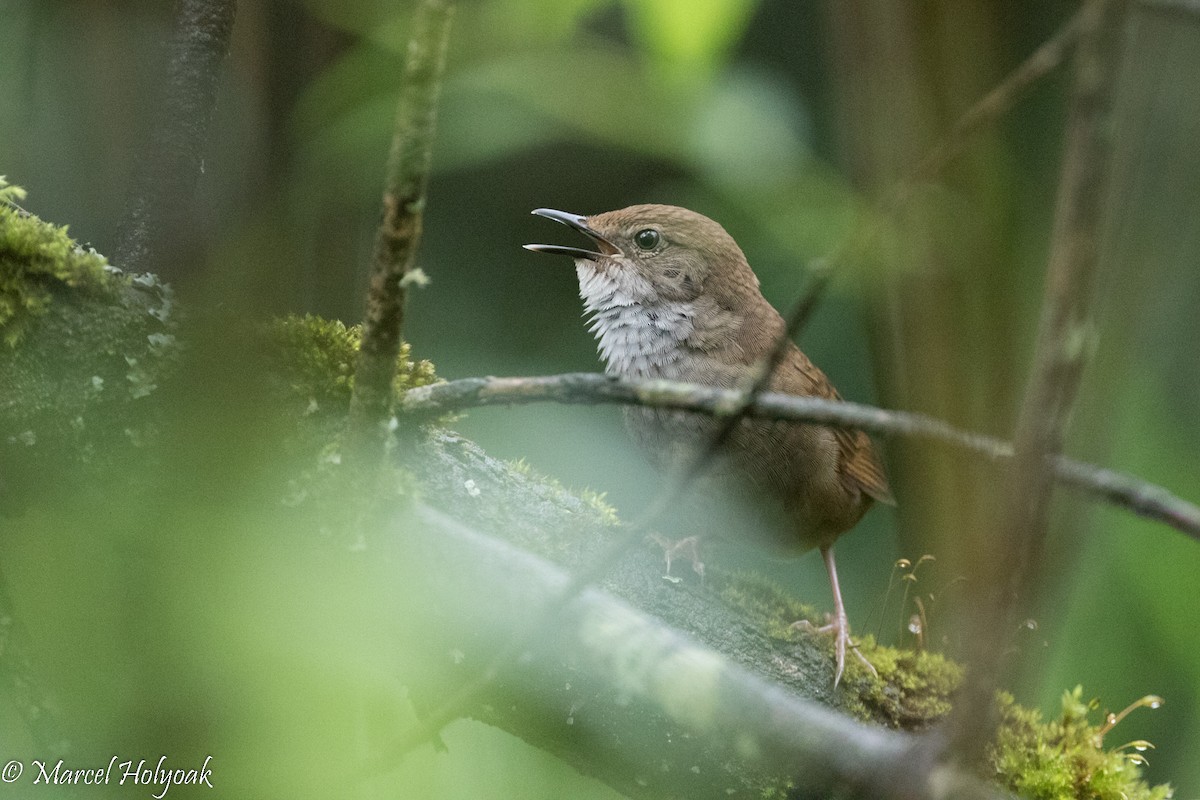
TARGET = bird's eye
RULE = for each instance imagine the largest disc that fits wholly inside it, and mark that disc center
(646, 239)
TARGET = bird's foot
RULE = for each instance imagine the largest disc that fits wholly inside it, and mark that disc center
(687, 547)
(839, 626)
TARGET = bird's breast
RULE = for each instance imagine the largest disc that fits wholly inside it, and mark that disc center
(638, 336)
(637, 342)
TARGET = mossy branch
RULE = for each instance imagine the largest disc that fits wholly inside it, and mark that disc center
(1117, 488)
(57, 358)
(399, 232)
(713, 726)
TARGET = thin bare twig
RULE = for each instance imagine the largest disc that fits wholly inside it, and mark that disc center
(996, 103)
(986, 111)
(1138, 496)
(399, 232)
(1064, 346)
(166, 178)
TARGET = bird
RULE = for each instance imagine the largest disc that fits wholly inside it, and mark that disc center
(672, 296)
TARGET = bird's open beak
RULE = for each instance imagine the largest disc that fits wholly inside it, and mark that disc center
(604, 246)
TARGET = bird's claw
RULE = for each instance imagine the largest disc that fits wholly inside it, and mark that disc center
(840, 628)
(688, 546)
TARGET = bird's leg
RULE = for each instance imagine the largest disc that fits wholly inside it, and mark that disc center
(840, 626)
(687, 546)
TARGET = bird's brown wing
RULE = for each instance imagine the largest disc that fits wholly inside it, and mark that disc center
(858, 464)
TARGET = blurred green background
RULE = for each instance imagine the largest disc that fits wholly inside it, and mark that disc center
(783, 120)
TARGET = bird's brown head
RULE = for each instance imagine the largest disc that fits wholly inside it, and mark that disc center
(668, 290)
(655, 253)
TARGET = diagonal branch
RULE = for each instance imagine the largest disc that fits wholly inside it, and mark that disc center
(690, 721)
(985, 112)
(996, 103)
(730, 415)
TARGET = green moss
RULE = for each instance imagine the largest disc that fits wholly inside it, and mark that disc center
(81, 340)
(594, 499)
(312, 362)
(520, 466)
(317, 360)
(911, 691)
(84, 349)
(761, 601)
(526, 470)
(779, 791)
(1065, 758)
(35, 260)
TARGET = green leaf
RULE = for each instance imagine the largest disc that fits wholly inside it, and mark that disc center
(687, 37)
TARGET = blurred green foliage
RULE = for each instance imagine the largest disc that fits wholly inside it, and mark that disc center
(728, 106)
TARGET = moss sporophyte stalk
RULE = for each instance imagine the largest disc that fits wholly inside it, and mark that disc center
(1065, 758)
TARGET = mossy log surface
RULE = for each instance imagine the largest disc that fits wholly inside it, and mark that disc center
(681, 690)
